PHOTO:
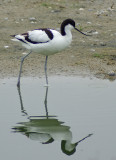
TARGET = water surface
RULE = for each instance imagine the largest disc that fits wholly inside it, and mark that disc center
(74, 118)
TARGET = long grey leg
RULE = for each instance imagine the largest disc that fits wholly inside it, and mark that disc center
(22, 60)
(45, 102)
(46, 70)
(21, 102)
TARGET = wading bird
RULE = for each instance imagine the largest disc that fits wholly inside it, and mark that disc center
(46, 41)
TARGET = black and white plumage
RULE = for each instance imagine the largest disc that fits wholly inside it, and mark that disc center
(46, 41)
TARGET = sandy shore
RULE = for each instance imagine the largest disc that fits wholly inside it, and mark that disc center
(95, 55)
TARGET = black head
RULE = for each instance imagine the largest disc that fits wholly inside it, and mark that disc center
(68, 21)
(64, 150)
(71, 22)
(65, 23)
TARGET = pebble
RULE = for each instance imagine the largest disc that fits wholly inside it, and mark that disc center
(6, 18)
(89, 23)
(72, 56)
(111, 73)
(100, 12)
(102, 44)
(24, 53)
(6, 46)
(90, 9)
(33, 22)
(93, 50)
(95, 32)
(55, 11)
(78, 24)
(92, 31)
(81, 9)
(32, 19)
(110, 9)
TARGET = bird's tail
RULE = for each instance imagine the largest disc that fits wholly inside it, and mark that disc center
(18, 38)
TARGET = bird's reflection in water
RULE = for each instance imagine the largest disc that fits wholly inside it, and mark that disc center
(47, 129)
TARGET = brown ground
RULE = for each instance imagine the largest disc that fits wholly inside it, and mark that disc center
(95, 55)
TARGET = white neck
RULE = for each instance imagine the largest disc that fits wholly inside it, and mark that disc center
(68, 29)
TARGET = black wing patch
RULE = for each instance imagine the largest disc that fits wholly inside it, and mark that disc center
(47, 31)
(29, 40)
(26, 35)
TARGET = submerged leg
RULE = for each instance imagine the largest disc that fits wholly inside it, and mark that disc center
(22, 60)
(45, 102)
(21, 102)
(46, 70)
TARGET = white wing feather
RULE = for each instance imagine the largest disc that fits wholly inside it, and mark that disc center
(38, 36)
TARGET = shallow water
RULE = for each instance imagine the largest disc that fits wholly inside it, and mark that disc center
(36, 121)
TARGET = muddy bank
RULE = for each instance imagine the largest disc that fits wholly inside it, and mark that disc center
(95, 55)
